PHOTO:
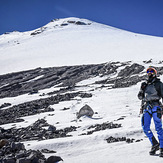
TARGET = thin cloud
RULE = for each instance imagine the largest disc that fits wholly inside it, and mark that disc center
(64, 11)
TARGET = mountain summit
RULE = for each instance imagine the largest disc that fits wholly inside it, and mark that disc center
(73, 41)
(76, 113)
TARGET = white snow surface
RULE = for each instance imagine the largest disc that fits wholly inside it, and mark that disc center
(72, 44)
(82, 44)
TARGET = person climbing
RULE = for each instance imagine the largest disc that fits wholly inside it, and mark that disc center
(150, 93)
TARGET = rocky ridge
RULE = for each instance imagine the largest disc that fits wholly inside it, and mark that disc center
(32, 81)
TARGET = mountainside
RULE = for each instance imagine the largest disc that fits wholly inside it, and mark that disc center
(74, 41)
(42, 108)
(69, 89)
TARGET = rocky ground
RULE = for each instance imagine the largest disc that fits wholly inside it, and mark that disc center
(12, 85)
(32, 81)
(118, 75)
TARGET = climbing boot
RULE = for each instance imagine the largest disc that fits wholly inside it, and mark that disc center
(161, 152)
(154, 149)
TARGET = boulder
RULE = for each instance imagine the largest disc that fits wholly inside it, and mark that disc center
(54, 159)
(3, 142)
(51, 128)
(85, 111)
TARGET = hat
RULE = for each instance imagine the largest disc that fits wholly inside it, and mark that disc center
(152, 70)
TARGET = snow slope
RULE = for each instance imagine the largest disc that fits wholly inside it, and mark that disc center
(111, 104)
(62, 42)
(81, 44)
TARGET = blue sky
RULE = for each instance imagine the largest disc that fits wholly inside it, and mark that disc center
(140, 16)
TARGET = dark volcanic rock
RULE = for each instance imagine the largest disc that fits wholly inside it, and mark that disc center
(80, 23)
(54, 159)
(47, 151)
(85, 110)
(5, 105)
(32, 81)
(113, 139)
(15, 84)
(35, 132)
(126, 81)
(131, 70)
(128, 76)
(16, 153)
(14, 113)
(103, 126)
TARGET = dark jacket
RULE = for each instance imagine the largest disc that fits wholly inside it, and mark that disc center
(151, 91)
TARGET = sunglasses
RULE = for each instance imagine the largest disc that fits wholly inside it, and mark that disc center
(150, 71)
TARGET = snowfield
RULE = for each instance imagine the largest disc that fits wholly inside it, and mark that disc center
(59, 44)
(62, 42)
(110, 105)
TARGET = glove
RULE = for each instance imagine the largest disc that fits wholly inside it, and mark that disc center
(161, 106)
(141, 111)
(143, 86)
(140, 95)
